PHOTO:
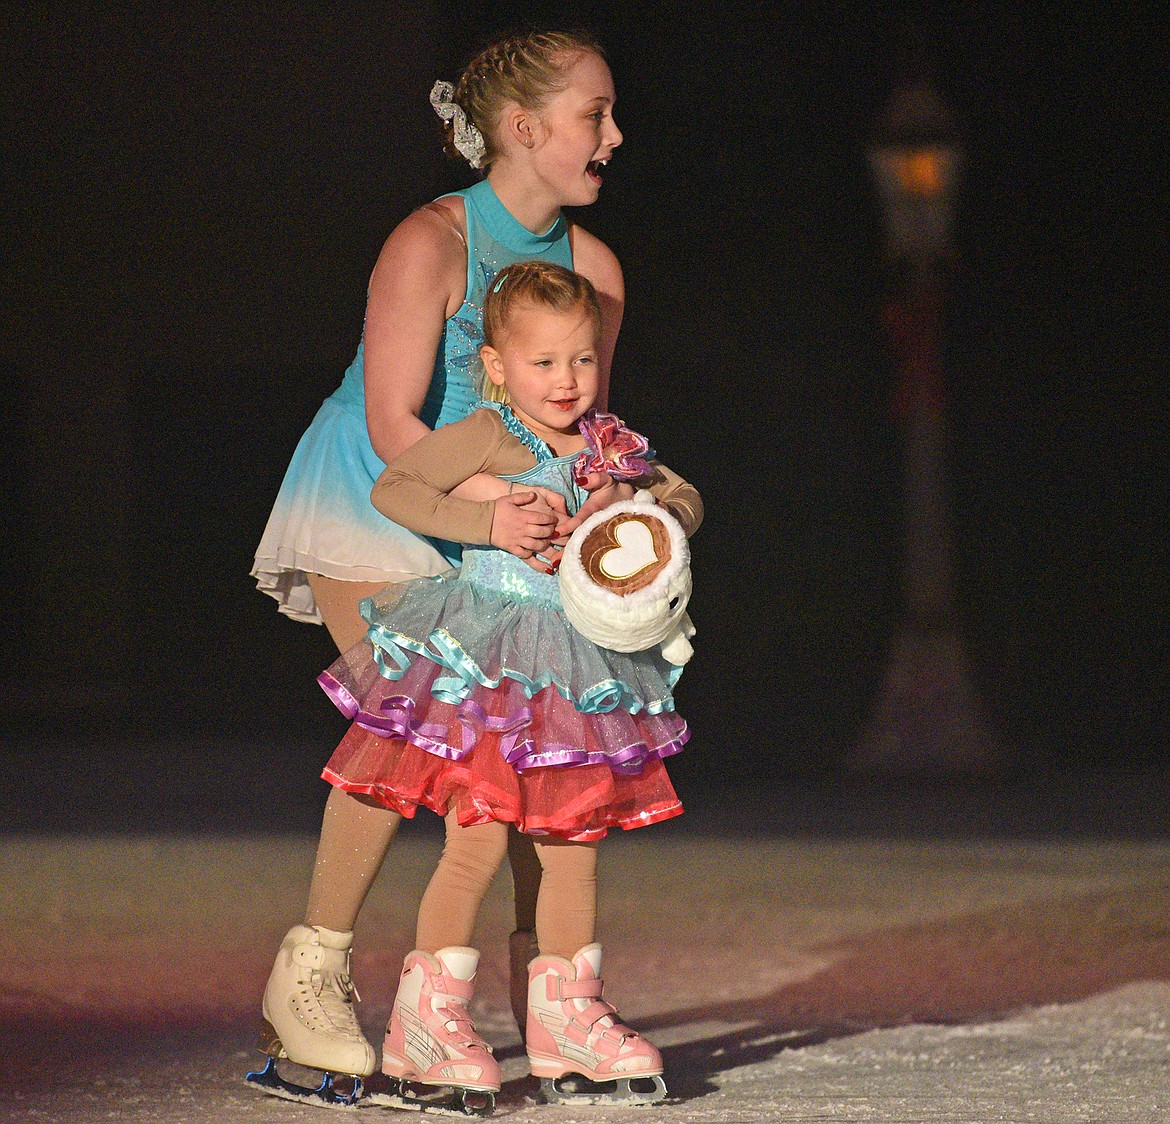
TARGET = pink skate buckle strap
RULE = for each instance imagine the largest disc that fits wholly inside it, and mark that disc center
(593, 1014)
(449, 985)
(557, 987)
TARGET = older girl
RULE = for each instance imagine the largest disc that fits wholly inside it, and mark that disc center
(535, 114)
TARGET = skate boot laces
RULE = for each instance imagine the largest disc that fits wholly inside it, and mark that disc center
(325, 998)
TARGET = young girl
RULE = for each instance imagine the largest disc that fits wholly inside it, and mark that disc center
(480, 701)
(535, 114)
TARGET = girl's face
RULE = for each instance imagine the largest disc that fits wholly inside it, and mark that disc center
(547, 361)
(576, 133)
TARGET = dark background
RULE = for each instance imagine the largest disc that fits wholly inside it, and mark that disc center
(194, 197)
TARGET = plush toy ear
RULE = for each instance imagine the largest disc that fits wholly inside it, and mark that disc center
(625, 579)
(676, 648)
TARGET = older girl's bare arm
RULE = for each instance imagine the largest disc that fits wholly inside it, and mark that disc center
(418, 282)
(594, 259)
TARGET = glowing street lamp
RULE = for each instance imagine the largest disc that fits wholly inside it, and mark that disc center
(928, 717)
(916, 162)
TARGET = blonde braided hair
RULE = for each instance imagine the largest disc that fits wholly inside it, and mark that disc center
(527, 69)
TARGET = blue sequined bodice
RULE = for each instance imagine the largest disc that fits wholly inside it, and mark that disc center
(497, 571)
(494, 239)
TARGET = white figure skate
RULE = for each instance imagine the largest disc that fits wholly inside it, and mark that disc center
(573, 1033)
(431, 1042)
(309, 1019)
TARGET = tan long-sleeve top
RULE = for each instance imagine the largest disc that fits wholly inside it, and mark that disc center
(414, 490)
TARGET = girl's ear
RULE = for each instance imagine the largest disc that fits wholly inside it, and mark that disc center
(492, 364)
(519, 124)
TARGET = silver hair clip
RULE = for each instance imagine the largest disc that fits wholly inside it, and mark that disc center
(468, 139)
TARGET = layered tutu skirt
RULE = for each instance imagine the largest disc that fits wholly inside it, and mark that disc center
(498, 708)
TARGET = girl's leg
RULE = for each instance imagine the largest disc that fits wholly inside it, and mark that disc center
(308, 1001)
(431, 1038)
(355, 836)
(355, 832)
(471, 857)
(570, 1027)
(337, 602)
(566, 911)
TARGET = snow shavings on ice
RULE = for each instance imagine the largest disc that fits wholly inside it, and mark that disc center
(784, 980)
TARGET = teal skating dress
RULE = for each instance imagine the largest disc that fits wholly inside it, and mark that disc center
(323, 521)
(475, 691)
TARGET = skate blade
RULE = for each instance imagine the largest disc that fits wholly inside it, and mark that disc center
(432, 1100)
(334, 1091)
(623, 1092)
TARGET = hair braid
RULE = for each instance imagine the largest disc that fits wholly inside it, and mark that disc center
(527, 69)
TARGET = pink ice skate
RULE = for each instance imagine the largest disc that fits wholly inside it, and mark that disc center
(573, 1031)
(430, 1040)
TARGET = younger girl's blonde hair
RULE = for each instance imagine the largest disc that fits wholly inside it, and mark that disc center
(538, 283)
(527, 69)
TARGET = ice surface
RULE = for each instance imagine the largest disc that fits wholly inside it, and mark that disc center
(785, 980)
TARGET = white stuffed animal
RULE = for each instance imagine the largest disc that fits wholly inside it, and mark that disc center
(625, 579)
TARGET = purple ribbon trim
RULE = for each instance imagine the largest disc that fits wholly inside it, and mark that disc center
(475, 721)
(627, 761)
(397, 720)
(342, 698)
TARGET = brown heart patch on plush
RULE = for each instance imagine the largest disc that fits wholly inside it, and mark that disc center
(626, 553)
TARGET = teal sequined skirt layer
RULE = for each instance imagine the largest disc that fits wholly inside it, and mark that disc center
(450, 660)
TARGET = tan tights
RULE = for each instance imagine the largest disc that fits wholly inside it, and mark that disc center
(356, 833)
(566, 908)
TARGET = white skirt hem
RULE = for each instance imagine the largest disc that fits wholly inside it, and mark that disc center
(286, 580)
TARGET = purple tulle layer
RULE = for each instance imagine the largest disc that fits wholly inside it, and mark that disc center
(534, 732)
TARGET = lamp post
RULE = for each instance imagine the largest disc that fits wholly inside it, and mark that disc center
(927, 718)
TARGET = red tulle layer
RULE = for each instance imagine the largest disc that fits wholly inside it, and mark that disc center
(578, 803)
